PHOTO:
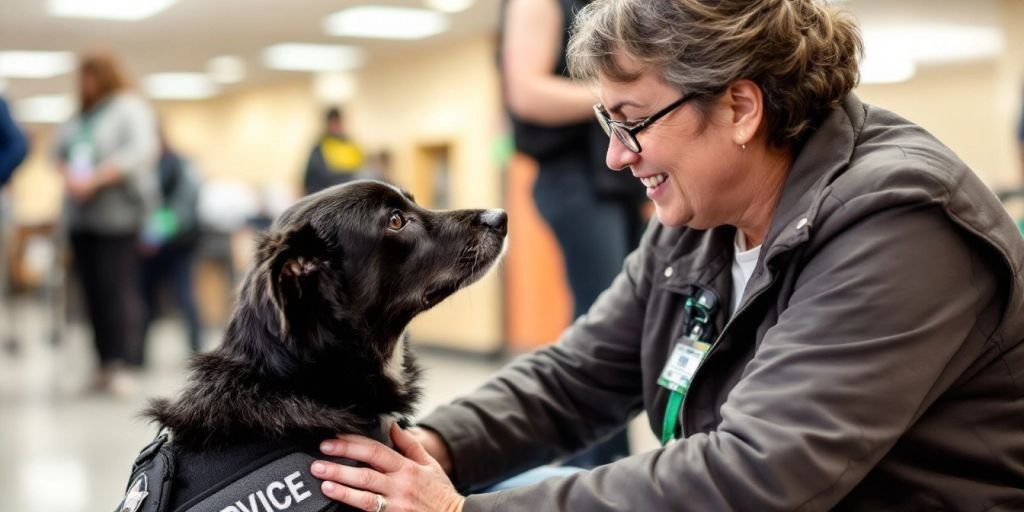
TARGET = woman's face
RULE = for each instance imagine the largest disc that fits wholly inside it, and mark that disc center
(89, 86)
(692, 176)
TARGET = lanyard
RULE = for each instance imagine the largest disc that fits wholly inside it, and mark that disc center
(686, 357)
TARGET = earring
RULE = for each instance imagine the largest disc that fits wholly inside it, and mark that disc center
(743, 146)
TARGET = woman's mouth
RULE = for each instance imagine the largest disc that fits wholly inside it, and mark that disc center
(654, 181)
(654, 184)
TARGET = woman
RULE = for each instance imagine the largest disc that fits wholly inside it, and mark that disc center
(108, 155)
(828, 312)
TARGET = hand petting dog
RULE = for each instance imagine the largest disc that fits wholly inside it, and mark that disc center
(406, 480)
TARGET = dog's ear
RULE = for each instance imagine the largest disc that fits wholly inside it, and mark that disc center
(295, 262)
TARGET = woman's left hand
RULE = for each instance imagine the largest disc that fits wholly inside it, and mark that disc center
(408, 479)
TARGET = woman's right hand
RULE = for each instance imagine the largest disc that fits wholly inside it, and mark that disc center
(434, 445)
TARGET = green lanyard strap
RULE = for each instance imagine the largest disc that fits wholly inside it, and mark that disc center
(697, 327)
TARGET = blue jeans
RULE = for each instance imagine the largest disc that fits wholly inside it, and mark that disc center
(531, 477)
(595, 235)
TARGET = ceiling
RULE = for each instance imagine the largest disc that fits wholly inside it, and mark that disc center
(190, 32)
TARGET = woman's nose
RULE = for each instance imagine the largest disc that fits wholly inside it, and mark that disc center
(619, 157)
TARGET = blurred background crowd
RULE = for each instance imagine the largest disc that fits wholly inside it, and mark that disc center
(144, 142)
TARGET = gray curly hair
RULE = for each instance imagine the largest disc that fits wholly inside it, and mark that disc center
(803, 54)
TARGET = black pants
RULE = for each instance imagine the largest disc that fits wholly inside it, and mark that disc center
(108, 268)
(172, 265)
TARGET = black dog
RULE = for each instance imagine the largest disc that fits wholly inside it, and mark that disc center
(315, 347)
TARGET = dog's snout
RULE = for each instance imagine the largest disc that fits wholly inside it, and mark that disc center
(495, 219)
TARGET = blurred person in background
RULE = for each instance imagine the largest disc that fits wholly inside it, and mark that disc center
(594, 214)
(335, 158)
(828, 313)
(108, 156)
(13, 144)
(169, 242)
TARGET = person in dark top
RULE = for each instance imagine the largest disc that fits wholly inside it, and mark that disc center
(13, 144)
(334, 159)
(170, 239)
(553, 122)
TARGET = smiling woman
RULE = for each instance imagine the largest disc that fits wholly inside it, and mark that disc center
(806, 244)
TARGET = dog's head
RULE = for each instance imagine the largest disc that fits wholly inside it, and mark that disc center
(358, 261)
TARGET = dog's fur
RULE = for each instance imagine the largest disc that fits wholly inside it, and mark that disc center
(316, 344)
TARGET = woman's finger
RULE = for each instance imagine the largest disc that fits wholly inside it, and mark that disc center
(365, 450)
(409, 445)
(363, 500)
(361, 478)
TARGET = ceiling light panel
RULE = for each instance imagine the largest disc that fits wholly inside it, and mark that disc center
(123, 10)
(313, 57)
(30, 64)
(381, 22)
(449, 5)
(45, 108)
(178, 86)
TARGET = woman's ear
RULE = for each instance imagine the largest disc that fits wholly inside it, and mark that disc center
(746, 103)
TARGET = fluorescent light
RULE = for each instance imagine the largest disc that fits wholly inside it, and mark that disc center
(334, 87)
(29, 64)
(886, 69)
(449, 5)
(934, 43)
(46, 108)
(178, 86)
(226, 69)
(313, 57)
(385, 22)
(124, 10)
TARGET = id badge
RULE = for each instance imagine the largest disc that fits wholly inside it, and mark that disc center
(81, 160)
(682, 364)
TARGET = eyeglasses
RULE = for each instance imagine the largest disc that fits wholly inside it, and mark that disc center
(626, 132)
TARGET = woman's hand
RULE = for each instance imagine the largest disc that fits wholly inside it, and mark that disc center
(409, 479)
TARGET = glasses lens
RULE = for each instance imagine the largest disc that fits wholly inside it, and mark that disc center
(627, 139)
(602, 119)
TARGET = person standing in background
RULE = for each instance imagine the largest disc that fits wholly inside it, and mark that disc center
(13, 144)
(594, 214)
(108, 156)
(169, 242)
(334, 159)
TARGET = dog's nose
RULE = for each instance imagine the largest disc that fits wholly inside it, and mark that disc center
(495, 219)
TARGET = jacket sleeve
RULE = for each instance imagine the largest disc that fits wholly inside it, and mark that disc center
(557, 399)
(13, 144)
(871, 335)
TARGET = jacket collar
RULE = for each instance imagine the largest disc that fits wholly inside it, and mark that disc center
(823, 158)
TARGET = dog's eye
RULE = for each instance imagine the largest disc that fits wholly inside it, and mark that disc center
(396, 221)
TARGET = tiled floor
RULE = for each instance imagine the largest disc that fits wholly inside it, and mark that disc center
(63, 451)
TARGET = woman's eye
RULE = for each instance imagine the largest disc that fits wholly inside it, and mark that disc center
(396, 221)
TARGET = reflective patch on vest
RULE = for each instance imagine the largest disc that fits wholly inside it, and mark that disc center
(284, 484)
(136, 495)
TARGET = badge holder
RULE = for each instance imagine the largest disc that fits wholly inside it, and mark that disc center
(686, 357)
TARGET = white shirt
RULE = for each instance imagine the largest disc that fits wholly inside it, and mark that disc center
(742, 267)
